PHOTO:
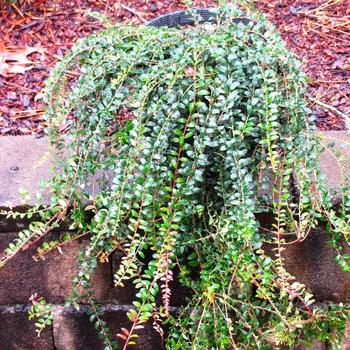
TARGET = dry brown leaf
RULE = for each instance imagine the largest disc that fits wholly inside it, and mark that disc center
(13, 60)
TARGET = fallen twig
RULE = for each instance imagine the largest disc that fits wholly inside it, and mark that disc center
(339, 113)
(27, 113)
(20, 87)
(331, 81)
(17, 10)
(134, 12)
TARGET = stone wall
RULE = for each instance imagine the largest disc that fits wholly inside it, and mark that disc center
(21, 164)
(51, 279)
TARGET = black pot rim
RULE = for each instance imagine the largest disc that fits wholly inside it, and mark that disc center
(185, 17)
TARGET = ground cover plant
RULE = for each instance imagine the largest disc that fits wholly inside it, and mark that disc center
(213, 116)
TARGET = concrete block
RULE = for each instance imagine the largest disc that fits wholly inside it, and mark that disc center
(73, 331)
(346, 338)
(126, 294)
(52, 278)
(8, 224)
(315, 346)
(312, 262)
(23, 161)
(328, 160)
(18, 333)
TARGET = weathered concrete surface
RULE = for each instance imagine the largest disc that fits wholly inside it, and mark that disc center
(315, 346)
(22, 276)
(10, 224)
(126, 295)
(346, 340)
(18, 333)
(312, 262)
(23, 161)
(72, 330)
(328, 161)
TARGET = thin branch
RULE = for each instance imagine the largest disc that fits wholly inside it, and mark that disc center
(344, 116)
(134, 12)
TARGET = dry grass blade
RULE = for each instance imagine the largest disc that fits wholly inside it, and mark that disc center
(328, 16)
(325, 5)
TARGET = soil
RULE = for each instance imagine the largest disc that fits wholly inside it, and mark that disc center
(318, 34)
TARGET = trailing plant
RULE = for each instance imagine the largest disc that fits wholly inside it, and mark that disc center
(192, 127)
(42, 312)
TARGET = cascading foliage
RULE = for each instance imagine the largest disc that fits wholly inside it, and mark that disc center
(213, 117)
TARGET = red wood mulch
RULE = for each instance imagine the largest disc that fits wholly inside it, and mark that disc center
(318, 32)
(319, 36)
